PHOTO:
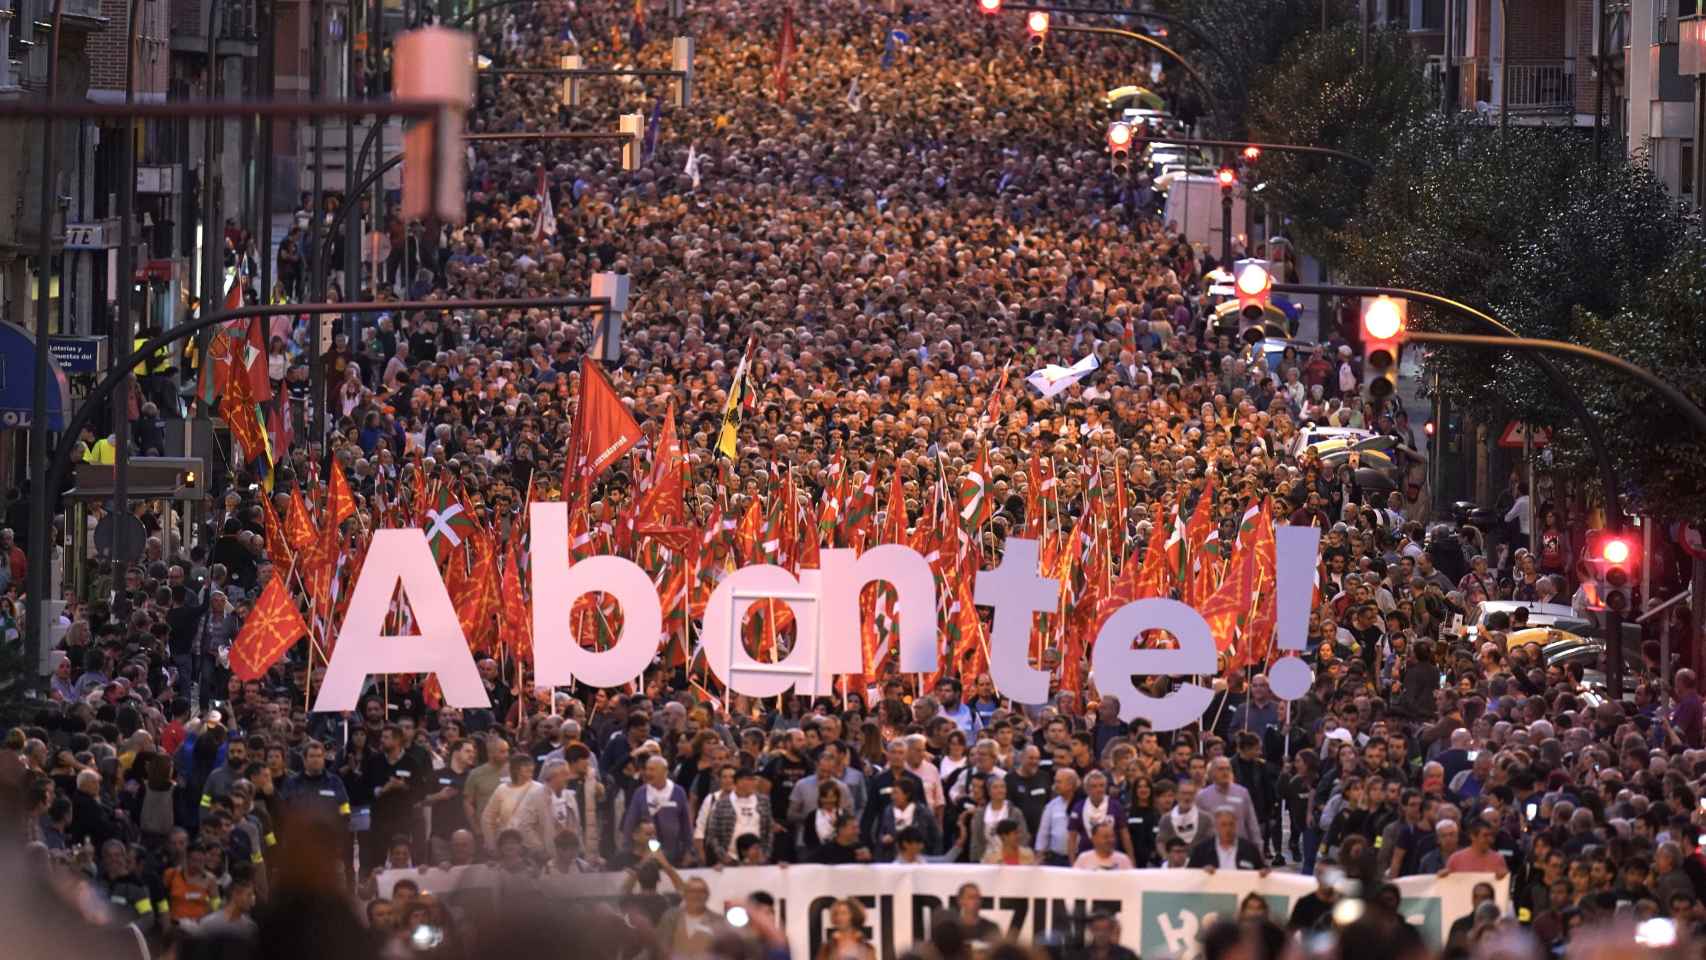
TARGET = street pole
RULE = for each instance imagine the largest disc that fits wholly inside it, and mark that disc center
(121, 334)
(1202, 84)
(1533, 492)
(1614, 654)
(263, 235)
(212, 232)
(316, 223)
(352, 243)
(1226, 228)
(41, 497)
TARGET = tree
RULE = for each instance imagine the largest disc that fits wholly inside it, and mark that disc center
(1526, 224)
(1246, 38)
(1322, 94)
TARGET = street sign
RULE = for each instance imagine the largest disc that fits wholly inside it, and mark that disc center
(157, 178)
(88, 236)
(76, 354)
(1514, 431)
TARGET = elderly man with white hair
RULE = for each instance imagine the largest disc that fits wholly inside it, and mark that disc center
(664, 804)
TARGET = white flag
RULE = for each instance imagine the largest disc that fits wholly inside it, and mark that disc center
(693, 164)
(855, 99)
(547, 225)
(1054, 378)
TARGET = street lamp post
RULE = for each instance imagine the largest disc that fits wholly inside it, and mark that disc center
(1133, 35)
(121, 333)
(41, 491)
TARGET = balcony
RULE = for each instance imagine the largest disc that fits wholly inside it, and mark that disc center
(1538, 87)
(235, 24)
(1691, 46)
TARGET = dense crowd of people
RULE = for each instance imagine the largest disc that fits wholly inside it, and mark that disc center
(916, 225)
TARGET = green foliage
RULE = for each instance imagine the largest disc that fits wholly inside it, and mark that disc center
(1322, 94)
(1527, 225)
(1246, 38)
(1660, 457)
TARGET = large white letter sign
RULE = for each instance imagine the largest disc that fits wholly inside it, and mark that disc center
(1115, 661)
(1017, 592)
(400, 556)
(1295, 553)
(844, 577)
(558, 658)
(727, 656)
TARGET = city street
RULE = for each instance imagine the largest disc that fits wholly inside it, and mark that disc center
(853, 480)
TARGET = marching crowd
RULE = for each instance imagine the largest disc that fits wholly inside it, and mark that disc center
(913, 222)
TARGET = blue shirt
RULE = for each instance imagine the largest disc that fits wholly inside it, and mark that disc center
(964, 717)
(1053, 828)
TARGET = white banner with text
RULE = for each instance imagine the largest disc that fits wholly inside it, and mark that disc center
(1160, 911)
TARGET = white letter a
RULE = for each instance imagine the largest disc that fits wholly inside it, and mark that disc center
(363, 647)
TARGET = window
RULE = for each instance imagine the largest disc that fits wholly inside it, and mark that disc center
(1685, 177)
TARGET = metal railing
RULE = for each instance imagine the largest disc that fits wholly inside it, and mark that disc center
(1540, 87)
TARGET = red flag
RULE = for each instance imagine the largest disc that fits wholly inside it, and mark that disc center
(278, 544)
(299, 529)
(1229, 607)
(894, 516)
(273, 626)
(604, 431)
(340, 503)
(785, 50)
(517, 619)
(661, 506)
(253, 360)
(239, 411)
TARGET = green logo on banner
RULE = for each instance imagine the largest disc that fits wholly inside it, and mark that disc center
(1172, 921)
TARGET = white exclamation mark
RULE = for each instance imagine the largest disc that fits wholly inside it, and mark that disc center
(1296, 551)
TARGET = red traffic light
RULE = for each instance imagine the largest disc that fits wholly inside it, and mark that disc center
(1382, 319)
(1429, 428)
(989, 6)
(1252, 154)
(1252, 280)
(1615, 550)
(1227, 177)
(1119, 135)
(1037, 22)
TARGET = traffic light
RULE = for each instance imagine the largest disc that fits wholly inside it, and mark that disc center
(1226, 177)
(1036, 29)
(1252, 154)
(1612, 558)
(1382, 335)
(1120, 136)
(435, 63)
(1253, 284)
(989, 6)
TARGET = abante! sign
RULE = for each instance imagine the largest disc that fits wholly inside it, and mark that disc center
(825, 603)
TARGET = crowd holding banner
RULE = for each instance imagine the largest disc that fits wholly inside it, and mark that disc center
(839, 302)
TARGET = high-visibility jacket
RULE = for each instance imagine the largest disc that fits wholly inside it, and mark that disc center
(101, 452)
(160, 362)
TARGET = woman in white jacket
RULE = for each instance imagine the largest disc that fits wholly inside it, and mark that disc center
(523, 804)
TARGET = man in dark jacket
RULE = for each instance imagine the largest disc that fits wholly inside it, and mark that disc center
(1225, 848)
(91, 820)
(882, 790)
